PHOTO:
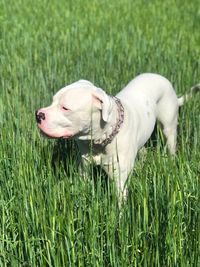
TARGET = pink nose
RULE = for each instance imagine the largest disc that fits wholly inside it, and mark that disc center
(39, 116)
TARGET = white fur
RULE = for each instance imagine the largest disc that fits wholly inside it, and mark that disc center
(93, 115)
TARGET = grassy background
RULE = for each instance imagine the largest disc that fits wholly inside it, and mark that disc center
(48, 215)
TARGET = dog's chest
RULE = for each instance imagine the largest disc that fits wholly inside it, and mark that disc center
(97, 155)
(97, 159)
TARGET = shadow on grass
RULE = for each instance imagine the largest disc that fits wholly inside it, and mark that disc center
(66, 156)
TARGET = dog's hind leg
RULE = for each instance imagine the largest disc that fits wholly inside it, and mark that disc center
(168, 116)
(170, 131)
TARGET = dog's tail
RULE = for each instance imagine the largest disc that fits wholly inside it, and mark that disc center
(195, 89)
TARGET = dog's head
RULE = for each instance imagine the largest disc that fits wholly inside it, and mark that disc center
(75, 109)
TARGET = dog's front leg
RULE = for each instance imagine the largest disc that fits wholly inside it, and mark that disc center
(121, 185)
(120, 177)
(83, 167)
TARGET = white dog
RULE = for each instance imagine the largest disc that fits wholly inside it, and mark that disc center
(113, 128)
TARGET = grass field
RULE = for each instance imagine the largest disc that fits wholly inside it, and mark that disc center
(48, 215)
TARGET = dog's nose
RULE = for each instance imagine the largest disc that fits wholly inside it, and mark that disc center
(39, 116)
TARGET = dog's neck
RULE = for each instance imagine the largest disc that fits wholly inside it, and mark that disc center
(103, 133)
(112, 130)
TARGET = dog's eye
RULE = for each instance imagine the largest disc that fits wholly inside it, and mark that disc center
(64, 108)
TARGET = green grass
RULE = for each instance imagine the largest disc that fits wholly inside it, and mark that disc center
(49, 216)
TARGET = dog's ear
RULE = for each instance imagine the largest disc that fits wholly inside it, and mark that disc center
(103, 102)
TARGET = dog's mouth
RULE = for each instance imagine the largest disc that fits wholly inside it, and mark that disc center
(67, 136)
(46, 135)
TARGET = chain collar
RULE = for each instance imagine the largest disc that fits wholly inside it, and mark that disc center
(117, 127)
